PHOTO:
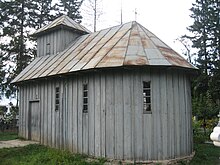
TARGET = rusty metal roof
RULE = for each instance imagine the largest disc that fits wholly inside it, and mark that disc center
(123, 45)
(64, 20)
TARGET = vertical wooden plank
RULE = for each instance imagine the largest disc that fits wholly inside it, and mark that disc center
(42, 112)
(46, 114)
(27, 110)
(41, 41)
(147, 122)
(55, 43)
(61, 115)
(127, 116)
(91, 115)
(164, 113)
(103, 116)
(57, 120)
(156, 113)
(189, 112)
(85, 121)
(49, 120)
(97, 97)
(119, 119)
(53, 128)
(138, 113)
(177, 113)
(80, 122)
(21, 107)
(182, 115)
(171, 116)
(75, 114)
(52, 43)
(187, 146)
(69, 108)
(110, 116)
(44, 43)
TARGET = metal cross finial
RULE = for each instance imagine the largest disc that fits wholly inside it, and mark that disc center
(135, 12)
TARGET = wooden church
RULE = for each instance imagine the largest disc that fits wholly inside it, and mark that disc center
(118, 93)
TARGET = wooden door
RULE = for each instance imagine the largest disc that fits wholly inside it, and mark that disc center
(34, 121)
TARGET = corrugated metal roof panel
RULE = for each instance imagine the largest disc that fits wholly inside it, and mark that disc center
(123, 45)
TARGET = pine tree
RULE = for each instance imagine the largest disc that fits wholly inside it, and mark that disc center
(13, 24)
(70, 8)
(17, 19)
(41, 13)
(205, 38)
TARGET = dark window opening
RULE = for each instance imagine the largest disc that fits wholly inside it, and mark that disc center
(85, 98)
(48, 49)
(57, 98)
(146, 97)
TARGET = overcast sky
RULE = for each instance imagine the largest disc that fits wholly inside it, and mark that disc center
(167, 19)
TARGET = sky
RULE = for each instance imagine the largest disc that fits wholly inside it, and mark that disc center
(167, 19)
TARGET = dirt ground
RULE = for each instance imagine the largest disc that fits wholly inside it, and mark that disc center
(15, 143)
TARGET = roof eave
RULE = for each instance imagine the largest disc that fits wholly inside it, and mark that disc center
(61, 26)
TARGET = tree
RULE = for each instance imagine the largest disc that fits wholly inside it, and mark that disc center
(205, 38)
(17, 20)
(93, 11)
(70, 8)
(14, 51)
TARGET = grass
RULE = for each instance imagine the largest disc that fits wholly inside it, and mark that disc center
(8, 136)
(206, 154)
(41, 155)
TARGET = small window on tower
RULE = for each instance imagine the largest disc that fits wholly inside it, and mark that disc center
(57, 98)
(146, 97)
(48, 49)
(85, 98)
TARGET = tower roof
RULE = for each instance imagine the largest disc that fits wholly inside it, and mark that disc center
(64, 21)
(129, 44)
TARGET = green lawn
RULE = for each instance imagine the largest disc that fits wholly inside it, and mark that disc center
(40, 155)
(206, 154)
(8, 135)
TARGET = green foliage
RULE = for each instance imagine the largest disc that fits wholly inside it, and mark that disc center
(205, 37)
(204, 107)
(18, 19)
(38, 154)
(205, 154)
(70, 8)
(8, 136)
(199, 136)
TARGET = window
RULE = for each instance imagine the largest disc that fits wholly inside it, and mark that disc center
(85, 98)
(146, 97)
(48, 49)
(57, 98)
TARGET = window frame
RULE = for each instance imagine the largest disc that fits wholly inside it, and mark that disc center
(48, 47)
(147, 97)
(57, 98)
(85, 98)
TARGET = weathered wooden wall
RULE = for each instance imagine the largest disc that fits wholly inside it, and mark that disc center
(58, 40)
(115, 126)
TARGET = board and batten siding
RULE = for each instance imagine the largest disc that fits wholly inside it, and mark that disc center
(115, 126)
(58, 40)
